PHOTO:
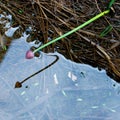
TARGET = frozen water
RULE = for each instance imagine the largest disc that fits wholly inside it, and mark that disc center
(65, 91)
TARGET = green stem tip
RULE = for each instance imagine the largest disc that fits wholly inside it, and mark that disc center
(111, 3)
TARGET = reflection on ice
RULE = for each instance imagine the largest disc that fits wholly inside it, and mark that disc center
(55, 79)
(72, 76)
(65, 91)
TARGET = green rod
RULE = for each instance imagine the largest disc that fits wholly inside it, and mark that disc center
(73, 30)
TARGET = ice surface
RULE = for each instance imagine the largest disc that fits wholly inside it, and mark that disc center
(65, 91)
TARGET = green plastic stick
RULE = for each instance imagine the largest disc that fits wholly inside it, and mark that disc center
(74, 30)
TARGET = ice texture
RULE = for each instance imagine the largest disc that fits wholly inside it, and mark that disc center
(65, 91)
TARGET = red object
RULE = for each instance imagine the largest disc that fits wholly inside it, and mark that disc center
(29, 54)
